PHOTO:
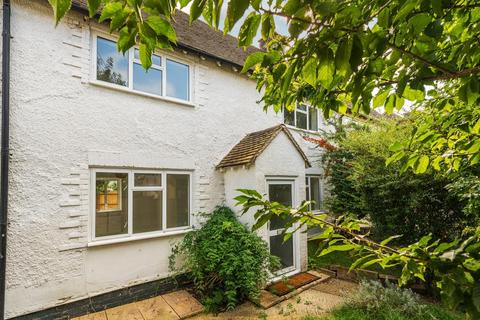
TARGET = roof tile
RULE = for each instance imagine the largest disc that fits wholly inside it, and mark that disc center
(253, 144)
(200, 37)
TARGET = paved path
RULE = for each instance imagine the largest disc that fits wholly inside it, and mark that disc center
(171, 306)
(316, 301)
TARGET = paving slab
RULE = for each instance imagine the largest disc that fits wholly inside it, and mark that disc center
(336, 287)
(94, 316)
(156, 309)
(183, 303)
(127, 311)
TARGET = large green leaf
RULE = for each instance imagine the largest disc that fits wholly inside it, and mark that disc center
(93, 6)
(249, 29)
(162, 27)
(252, 60)
(60, 8)
(235, 10)
(196, 9)
(110, 10)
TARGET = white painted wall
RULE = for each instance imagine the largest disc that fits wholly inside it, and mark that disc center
(61, 125)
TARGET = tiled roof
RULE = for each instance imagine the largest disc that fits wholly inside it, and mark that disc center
(253, 144)
(199, 37)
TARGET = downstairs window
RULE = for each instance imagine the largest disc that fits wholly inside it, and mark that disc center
(130, 202)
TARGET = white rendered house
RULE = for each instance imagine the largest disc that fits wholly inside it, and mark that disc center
(109, 164)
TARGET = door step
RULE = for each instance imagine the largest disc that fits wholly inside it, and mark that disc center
(290, 287)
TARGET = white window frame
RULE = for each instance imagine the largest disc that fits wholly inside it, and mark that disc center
(131, 59)
(307, 113)
(308, 185)
(130, 236)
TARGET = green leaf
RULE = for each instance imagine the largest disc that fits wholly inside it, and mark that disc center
(268, 26)
(161, 27)
(235, 10)
(396, 146)
(249, 29)
(422, 164)
(60, 9)
(342, 56)
(341, 247)
(127, 39)
(93, 6)
(110, 9)
(384, 18)
(395, 157)
(360, 261)
(419, 21)
(407, 7)
(326, 68)
(357, 53)
(196, 9)
(252, 60)
(309, 72)
(389, 239)
(145, 54)
(379, 99)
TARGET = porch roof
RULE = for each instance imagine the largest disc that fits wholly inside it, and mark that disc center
(253, 144)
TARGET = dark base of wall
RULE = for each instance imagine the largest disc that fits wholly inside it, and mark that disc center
(109, 299)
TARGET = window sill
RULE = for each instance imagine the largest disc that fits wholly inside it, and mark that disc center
(154, 235)
(140, 93)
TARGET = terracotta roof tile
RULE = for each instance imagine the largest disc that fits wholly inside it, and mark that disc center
(200, 38)
(253, 144)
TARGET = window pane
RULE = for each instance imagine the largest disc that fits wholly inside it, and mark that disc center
(312, 113)
(302, 107)
(281, 193)
(301, 120)
(147, 81)
(283, 250)
(178, 197)
(148, 180)
(147, 211)
(112, 66)
(177, 80)
(111, 204)
(156, 60)
(288, 117)
(315, 194)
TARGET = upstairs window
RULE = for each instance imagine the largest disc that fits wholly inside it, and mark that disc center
(166, 77)
(303, 117)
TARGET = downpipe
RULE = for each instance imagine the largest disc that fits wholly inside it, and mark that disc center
(5, 151)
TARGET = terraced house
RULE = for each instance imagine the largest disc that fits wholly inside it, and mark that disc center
(109, 164)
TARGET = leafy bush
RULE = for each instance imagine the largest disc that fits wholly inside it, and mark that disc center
(396, 202)
(374, 302)
(228, 263)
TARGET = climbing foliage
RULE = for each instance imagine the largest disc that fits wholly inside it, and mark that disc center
(227, 262)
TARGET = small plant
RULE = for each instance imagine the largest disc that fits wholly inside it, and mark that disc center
(228, 263)
(373, 297)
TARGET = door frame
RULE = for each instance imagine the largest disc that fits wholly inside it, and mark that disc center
(295, 237)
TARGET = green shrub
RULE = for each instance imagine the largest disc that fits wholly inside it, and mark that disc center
(396, 203)
(228, 263)
(375, 302)
(389, 302)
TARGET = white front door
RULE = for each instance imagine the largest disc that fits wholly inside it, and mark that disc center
(282, 191)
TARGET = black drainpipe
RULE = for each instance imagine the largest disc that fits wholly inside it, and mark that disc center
(4, 151)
